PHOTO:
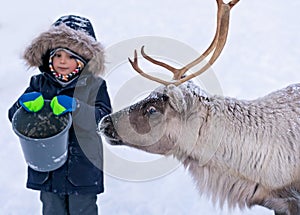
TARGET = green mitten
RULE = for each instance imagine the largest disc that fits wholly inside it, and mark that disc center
(62, 104)
(32, 102)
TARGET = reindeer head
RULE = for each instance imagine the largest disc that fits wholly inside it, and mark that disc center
(162, 121)
(159, 122)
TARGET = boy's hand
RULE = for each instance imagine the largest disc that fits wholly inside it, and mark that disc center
(32, 102)
(62, 104)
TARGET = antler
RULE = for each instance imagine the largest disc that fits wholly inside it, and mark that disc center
(217, 45)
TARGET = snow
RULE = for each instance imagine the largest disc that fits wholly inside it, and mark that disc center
(261, 55)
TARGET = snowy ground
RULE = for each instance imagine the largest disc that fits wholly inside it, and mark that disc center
(261, 55)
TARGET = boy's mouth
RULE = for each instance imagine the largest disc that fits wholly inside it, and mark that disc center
(63, 69)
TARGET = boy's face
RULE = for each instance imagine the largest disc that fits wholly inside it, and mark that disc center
(64, 63)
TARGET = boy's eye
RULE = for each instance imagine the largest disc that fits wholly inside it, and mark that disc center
(57, 55)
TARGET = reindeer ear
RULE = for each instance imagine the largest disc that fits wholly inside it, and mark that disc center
(177, 98)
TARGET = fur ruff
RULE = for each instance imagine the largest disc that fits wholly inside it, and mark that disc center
(65, 37)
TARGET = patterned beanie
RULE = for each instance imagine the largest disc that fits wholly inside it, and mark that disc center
(69, 77)
(77, 23)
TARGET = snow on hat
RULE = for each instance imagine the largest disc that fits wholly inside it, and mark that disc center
(77, 23)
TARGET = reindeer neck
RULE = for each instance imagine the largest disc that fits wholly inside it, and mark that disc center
(259, 147)
(253, 142)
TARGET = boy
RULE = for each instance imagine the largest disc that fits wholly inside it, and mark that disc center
(70, 61)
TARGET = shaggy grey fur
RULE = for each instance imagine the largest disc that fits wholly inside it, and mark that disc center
(241, 152)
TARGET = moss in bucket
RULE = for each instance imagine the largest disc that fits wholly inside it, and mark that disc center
(39, 125)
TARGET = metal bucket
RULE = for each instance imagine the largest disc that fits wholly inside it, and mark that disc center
(43, 137)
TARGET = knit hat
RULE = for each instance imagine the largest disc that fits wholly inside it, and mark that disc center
(77, 23)
(69, 77)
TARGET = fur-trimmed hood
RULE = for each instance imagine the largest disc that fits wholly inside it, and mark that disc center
(63, 36)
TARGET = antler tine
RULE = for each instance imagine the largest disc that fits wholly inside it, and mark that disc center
(217, 45)
(213, 44)
(136, 67)
(232, 3)
(222, 29)
(152, 60)
(211, 47)
(178, 73)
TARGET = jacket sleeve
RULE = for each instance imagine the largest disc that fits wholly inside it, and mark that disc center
(16, 105)
(88, 116)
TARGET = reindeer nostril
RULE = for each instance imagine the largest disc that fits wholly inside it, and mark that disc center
(107, 119)
(105, 123)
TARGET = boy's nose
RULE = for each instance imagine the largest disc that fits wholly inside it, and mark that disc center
(62, 60)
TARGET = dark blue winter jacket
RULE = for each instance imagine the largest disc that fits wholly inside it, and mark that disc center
(82, 172)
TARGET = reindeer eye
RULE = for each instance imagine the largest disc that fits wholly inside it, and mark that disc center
(151, 110)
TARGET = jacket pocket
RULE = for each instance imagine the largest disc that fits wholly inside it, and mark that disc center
(35, 177)
(81, 171)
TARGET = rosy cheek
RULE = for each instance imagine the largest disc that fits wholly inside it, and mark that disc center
(74, 66)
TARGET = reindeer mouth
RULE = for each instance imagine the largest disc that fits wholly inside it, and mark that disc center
(108, 131)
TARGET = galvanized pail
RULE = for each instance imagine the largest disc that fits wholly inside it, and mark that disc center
(43, 137)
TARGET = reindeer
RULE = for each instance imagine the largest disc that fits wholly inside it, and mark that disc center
(243, 152)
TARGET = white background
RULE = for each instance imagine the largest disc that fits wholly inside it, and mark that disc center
(261, 55)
